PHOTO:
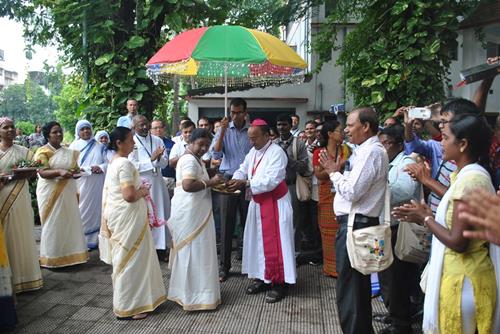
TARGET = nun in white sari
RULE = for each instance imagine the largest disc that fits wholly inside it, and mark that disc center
(194, 279)
(62, 242)
(93, 162)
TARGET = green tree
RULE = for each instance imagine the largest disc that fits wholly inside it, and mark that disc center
(109, 42)
(399, 52)
(26, 102)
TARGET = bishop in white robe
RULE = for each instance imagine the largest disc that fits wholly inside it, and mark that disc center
(268, 241)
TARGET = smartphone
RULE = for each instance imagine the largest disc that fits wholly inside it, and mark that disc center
(420, 113)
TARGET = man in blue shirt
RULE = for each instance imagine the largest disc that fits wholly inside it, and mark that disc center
(231, 144)
(132, 107)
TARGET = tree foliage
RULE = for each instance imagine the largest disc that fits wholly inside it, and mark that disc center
(399, 52)
(109, 41)
(26, 102)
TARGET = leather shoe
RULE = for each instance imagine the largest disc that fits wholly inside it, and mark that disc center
(277, 293)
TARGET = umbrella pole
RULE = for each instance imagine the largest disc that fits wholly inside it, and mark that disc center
(226, 112)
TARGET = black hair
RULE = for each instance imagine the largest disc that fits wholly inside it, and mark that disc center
(284, 118)
(187, 124)
(199, 133)
(458, 106)
(239, 102)
(328, 126)
(205, 118)
(118, 134)
(184, 118)
(477, 132)
(47, 127)
(295, 115)
(368, 115)
(273, 129)
(311, 122)
(395, 131)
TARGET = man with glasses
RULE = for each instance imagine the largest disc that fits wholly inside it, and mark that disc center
(437, 178)
(149, 158)
(398, 281)
(231, 144)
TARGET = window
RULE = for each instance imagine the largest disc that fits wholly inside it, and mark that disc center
(492, 50)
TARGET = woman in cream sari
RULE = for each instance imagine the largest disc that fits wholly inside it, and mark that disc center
(62, 242)
(137, 280)
(16, 215)
(194, 280)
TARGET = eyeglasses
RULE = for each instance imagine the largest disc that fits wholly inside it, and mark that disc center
(388, 142)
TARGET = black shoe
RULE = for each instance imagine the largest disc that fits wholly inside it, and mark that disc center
(392, 329)
(382, 318)
(256, 286)
(223, 275)
(276, 293)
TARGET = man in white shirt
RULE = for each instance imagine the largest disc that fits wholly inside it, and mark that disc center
(295, 125)
(132, 107)
(180, 146)
(362, 187)
(149, 158)
(268, 242)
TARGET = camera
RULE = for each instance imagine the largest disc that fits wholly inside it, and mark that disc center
(420, 113)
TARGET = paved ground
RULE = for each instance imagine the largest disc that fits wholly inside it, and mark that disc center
(79, 300)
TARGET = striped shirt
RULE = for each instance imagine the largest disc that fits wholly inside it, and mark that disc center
(443, 176)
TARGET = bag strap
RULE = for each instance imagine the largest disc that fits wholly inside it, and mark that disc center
(294, 148)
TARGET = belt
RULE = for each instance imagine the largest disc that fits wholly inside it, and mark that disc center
(360, 221)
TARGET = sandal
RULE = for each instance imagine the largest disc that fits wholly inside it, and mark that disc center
(256, 286)
(139, 316)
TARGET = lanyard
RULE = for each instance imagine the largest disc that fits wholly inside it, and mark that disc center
(150, 143)
(255, 165)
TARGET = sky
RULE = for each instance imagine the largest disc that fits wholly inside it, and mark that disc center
(12, 43)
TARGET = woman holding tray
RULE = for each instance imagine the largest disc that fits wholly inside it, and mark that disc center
(194, 281)
(62, 242)
(16, 214)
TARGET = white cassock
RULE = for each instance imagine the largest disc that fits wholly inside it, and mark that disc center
(92, 153)
(270, 171)
(151, 170)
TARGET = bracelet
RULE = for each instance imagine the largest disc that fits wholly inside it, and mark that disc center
(331, 175)
(426, 220)
(204, 184)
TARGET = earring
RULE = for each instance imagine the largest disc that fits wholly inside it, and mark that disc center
(462, 150)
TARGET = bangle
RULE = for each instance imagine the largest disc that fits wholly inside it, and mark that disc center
(426, 220)
(204, 184)
(331, 175)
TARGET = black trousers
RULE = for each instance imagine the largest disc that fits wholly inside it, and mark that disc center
(397, 284)
(353, 288)
(230, 206)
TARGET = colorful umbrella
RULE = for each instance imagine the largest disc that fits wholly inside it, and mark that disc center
(227, 56)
